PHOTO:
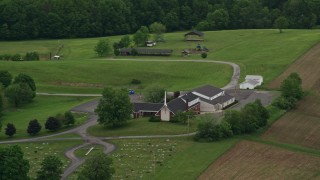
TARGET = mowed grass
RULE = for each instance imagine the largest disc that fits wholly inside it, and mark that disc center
(172, 158)
(35, 152)
(265, 52)
(250, 160)
(93, 75)
(41, 108)
(141, 126)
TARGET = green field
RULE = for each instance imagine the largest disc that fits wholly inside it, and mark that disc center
(40, 109)
(36, 151)
(93, 75)
(142, 126)
(264, 52)
(170, 158)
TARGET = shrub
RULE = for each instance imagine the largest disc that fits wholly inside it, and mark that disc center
(68, 119)
(52, 124)
(204, 55)
(16, 57)
(135, 81)
(211, 131)
(7, 57)
(10, 130)
(154, 119)
(31, 56)
(34, 127)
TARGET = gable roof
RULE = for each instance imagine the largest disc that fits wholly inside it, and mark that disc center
(190, 96)
(146, 51)
(218, 100)
(195, 32)
(147, 107)
(177, 105)
(253, 77)
(251, 82)
(208, 90)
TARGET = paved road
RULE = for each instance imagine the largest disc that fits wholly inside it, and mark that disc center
(92, 120)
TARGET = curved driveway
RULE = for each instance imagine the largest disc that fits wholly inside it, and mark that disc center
(92, 120)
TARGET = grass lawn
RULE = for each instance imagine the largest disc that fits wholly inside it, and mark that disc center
(172, 158)
(36, 151)
(93, 75)
(40, 109)
(264, 52)
(142, 126)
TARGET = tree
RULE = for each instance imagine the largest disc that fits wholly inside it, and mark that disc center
(141, 36)
(12, 164)
(291, 87)
(219, 19)
(235, 119)
(10, 129)
(102, 48)
(281, 23)
(212, 130)
(31, 56)
(204, 55)
(158, 30)
(114, 108)
(24, 78)
(51, 168)
(125, 41)
(5, 78)
(52, 124)
(68, 119)
(19, 94)
(97, 167)
(154, 94)
(34, 127)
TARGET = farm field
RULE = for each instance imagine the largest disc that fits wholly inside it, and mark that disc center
(35, 152)
(300, 126)
(308, 68)
(40, 109)
(250, 160)
(264, 52)
(142, 126)
(92, 75)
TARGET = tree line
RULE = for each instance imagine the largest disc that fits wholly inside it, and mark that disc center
(31, 19)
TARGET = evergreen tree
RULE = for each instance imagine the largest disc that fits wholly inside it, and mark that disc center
(10, 129)
(34, 127)
(53, 124)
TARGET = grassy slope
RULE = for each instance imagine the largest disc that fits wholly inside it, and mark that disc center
(264, 52)
(41, 109)
(172, 75)
(142, 126)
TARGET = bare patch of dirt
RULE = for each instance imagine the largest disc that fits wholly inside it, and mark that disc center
(251, 160)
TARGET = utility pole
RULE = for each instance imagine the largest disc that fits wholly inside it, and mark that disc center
(188, 123)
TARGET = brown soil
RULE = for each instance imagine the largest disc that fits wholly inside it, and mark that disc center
(307, 66)
(250, 160)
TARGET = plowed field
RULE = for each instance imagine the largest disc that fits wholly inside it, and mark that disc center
(250, 160)
(308, 67)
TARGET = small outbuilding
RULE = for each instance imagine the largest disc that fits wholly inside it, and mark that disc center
(194, 36)
(145, 52)
(251, 82)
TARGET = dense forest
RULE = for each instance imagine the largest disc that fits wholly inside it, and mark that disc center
(33, 19)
